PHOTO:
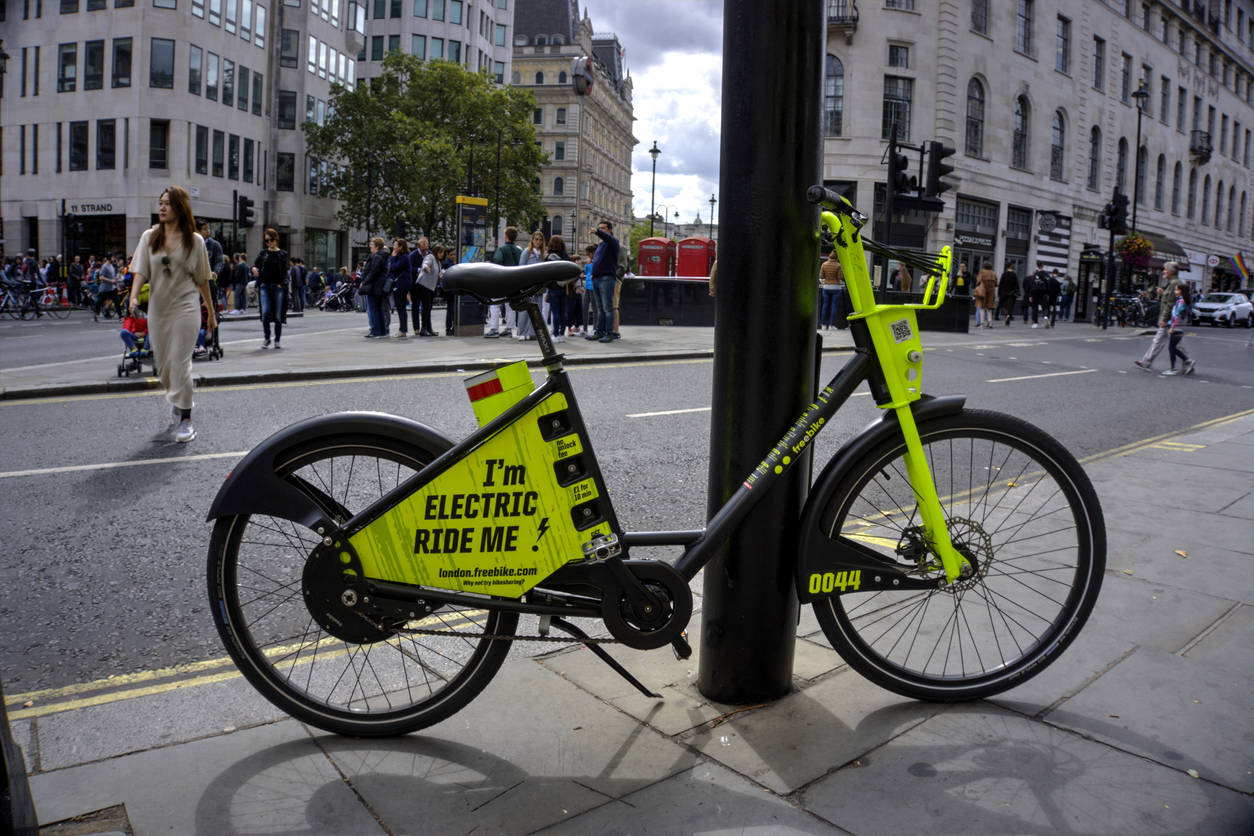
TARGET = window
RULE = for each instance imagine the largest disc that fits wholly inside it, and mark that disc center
(1095, 158)
(376, 50)
(257, 88)
(219, 153)
(979, 16)
(420, 8)
(1121, 166)
(285, 172)
(537, 116)
(1147, 83)
(309, 108)
(198, 9)
(899, 56)
(67, 68)
(78, 146)
(289, 48)
(215, 12)
(1182, 99)
(418, 46)
(1125, 82)
(1232, 196)
(287, 110)
(1057, 142)
(159, 142)
(242, 101)
(559, 186)
(1192, 204)
(259, 31)
(454, 11)
(1219, 205)
(833, 98)
(540, 77)
(1175, 189)
(1018, 223)
(437, 9)
(202, 149)
(560, 118)
(498, 72)
(106, 144)
(245, 19)
(1206, 200)
(161, 70)
(232, 158)
(1164, 105)
(1142, 164)
(93, 65)
(455, 51)
(228, 83)
(974, 146)
(248, 161)
(1023, 27)
(394, 8)
(1019, 142)
(195, 55)
(905, 5)
(1062, 46)
(1160, 182)
(69, 7)
(437, 49)
(898, 93)
(121, 62)
(394, 45)
(1223, 134)
(229, 22)
(1099, 64)
(211, 78)
(559, 150)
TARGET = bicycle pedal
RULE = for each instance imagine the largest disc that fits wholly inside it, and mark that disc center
(681, 647)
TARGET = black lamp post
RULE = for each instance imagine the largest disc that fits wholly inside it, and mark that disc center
(712, 202)
(1140, 95)
(653, 152)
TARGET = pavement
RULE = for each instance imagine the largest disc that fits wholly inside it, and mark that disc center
(1144, 726)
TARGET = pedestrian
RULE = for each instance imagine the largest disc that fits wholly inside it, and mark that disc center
(905, 281)
(296, 281)
(1179, 318)
(1038, 295)
(1051, 301)
(1007, 292)
(76, 274)
(533, 254)
(620, 274)
(450, 306)
(556, 293)
(426, 280)
(401, 279)
(965, 285)
(1065, 294)
(587, 295)
(373, 279)
(107, 288)
(832, 281)
(506, 255)
(172, 259)
(604, 267)
(240, 286)
(985, 295)
(1168, 287)
(270, 269)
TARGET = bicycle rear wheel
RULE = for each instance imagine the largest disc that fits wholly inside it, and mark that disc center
(396, 683)
(1021, 508)
(58, 308)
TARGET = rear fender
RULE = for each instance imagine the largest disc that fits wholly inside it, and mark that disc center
(254, 486)
(826, 565)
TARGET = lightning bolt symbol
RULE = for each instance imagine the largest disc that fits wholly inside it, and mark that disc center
(544, 526)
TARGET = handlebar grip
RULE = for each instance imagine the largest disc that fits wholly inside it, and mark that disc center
(822, 194)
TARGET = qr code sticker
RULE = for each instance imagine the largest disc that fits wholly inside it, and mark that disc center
(901, 331)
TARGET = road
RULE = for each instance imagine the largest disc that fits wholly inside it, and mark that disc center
(104, 515)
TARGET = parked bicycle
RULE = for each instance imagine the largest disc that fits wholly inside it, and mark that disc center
(367, 574)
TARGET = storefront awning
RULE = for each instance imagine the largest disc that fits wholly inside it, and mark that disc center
(1164, 248)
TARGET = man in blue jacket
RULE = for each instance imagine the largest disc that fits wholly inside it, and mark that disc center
(604, 275)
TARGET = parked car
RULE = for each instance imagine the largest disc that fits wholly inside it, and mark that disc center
(1223, 309)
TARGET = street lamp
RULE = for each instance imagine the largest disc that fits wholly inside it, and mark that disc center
(653, 152)
(712, 202)
(1140, 95)
(664, 211)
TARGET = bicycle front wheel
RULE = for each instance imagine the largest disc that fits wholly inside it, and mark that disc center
(1020, 508)
(58, 308)
(398, 681)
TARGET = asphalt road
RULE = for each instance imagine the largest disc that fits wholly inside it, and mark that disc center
(104, 561)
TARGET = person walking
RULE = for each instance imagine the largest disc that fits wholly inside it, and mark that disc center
(172, 259)
(373, 278)
(1179, 318)
(604, 267)
(985, 295)
(832, 281)
(1168, 286)
(401, 277)
(1066, 292)
(240, 285)
(107, 287)
(1007, 292)
(270, 268)
(506, 255)
(556, 293)
(1038, 295)
(1051, 298)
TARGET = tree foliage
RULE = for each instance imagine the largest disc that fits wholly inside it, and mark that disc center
(412, 139)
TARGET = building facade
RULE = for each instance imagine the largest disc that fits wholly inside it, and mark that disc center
(106, 102)
(588, 138)
(1040, 100)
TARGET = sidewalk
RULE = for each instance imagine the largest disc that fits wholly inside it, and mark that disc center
(1145, 726)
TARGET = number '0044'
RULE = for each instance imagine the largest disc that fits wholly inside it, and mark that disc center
(831, 581)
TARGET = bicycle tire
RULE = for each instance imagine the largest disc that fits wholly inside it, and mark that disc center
(1017, 501)
(377, 689)
(59, 309)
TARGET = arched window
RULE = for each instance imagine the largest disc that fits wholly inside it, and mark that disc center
(1192, 205)
(540, 77)
(1206, 200)
(515, 77)
(1176, 176)
(1219, 205)
(1241, 223)
(1019, 147)
(1232, 198)
(1095, 158)
(1160, 182)
(975, 119)
(559, 185)
(1142, 166)
(541, 40)
(1121, 166)
(557, 224)
(1057, 140)
(562, 77)
(833, 96)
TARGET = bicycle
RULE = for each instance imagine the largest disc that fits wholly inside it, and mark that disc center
(367, 574)
(47, 299)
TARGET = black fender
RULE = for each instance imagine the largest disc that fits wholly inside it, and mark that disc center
(821, 554)
(254, 487)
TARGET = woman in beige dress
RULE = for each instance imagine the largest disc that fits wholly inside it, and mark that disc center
(171, 258)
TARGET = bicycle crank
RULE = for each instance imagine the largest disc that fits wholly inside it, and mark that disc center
(651, 620)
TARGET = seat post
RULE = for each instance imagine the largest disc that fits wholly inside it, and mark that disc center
(552, 360)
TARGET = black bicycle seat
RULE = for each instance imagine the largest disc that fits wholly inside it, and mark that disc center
(495, 282)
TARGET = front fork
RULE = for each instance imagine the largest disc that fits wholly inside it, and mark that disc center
(930, 510)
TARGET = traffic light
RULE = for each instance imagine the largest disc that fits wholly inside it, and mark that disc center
(245, 211)
(937, 168)
(899, 179)
(1119, 214)
(582, 75)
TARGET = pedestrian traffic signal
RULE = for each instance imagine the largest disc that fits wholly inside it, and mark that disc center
(937, 168)
(1115, 216)
(245, 211)
(899, 179)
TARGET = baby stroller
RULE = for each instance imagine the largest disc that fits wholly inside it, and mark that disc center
(207, 345)
(340, 299)
(138, 350)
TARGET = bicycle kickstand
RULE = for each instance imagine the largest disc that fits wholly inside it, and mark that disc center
(571, 629)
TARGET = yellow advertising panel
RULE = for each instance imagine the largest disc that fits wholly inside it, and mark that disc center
(498, 522)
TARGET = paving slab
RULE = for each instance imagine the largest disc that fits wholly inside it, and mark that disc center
(1151, 613)
(270, 779)
(1088, 657)
(1230, 643)
(706, 799)
(1218, 560)
(1182, 713)
(981, 770)
(1241, 508)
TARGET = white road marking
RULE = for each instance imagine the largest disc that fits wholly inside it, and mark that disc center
(77, 468)
(1038, 376)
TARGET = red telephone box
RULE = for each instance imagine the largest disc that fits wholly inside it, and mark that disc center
(655, 257)
(696, 257)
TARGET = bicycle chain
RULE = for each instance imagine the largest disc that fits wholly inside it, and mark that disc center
(497, 637)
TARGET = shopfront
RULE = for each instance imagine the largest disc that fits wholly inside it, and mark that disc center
(975, 236)
(1019, 240)
(93, 227)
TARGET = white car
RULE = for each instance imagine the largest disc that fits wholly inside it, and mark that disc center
(1223, 309)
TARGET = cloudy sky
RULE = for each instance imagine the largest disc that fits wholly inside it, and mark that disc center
(674, 52)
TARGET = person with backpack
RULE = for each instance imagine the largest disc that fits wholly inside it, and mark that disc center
(1065, 294)
(1007, 292)
(1055, 289)
(1038, 295)
(506, 255)
(1179, 318)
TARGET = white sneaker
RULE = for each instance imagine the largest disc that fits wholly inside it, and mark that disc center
(559, 339)
(186, 432)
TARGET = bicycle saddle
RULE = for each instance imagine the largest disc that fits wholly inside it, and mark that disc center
(497, 283)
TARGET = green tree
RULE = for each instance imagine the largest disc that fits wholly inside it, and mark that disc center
(422, 133)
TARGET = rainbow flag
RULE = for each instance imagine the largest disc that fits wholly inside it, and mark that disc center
(1238, 264)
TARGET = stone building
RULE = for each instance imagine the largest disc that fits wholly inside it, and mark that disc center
(587, 138)
(1040, 100)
